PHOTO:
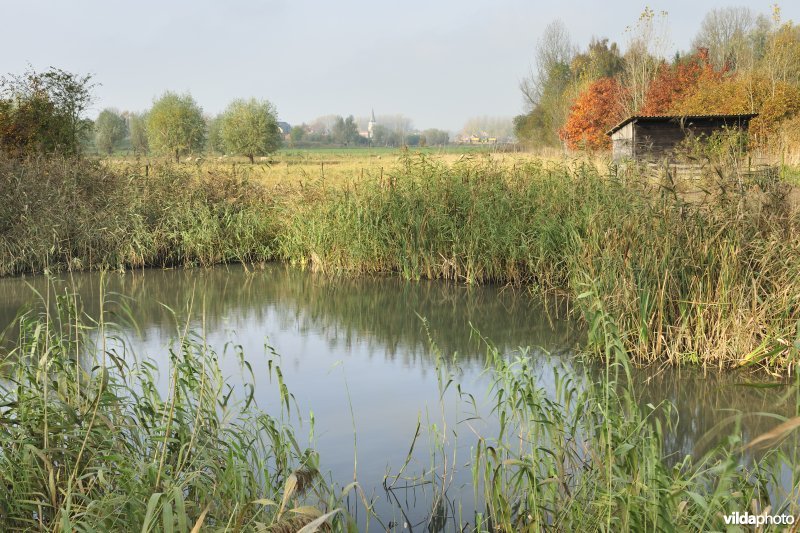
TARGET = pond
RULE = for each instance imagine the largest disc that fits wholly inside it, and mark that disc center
(361, 356)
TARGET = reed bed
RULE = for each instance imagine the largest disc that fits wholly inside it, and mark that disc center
(80, 214)
(93, 438)
(588, 457)
(708, 278)
(693, 270)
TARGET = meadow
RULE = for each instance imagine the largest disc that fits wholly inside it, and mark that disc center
(334, 165)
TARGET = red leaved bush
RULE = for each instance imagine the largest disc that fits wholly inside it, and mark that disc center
(595, 111)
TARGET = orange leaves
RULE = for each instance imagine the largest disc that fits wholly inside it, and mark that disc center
(725, 95)
(675, 82)
(596, 109)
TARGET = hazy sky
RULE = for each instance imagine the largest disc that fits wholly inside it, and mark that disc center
(438, 62)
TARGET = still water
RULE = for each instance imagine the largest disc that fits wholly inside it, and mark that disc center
(359, 355)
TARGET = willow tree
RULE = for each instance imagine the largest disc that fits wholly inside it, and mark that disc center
(138, 132)
(109, 130)
(175, 125)
(546, 89)
(726, 34)
(250, 128)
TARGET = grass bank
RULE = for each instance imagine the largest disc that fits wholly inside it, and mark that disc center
(691, 271)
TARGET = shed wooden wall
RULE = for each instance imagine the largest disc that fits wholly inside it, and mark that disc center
(622, 142)
(652, 140)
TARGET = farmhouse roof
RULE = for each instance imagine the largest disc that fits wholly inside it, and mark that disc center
(285, 127)
(669, 118)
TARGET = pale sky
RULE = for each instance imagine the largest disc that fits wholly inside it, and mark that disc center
(437, 62)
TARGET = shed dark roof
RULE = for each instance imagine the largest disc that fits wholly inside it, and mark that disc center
(668, 118)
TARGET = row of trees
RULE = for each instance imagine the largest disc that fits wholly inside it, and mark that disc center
(390, 131)
(44, 113)
(497, 127)
(740, 63)
(175, 125)
(385, 136)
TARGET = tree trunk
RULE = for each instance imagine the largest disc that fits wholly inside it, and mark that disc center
(177, 156)
(252, 159)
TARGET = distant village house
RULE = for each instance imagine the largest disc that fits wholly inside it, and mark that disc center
(474, 138)
(285, 129)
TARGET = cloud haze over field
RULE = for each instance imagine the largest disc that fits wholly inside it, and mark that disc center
(436, 62)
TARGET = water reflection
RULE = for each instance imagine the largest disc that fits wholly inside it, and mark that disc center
(381, 317)
(706, 405)
(384, 313)
(361, 345)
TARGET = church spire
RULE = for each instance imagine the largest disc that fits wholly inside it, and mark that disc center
(371, 126)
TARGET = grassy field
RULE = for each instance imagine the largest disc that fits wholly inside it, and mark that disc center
(334, 165)
(385, 150)
(346, 152)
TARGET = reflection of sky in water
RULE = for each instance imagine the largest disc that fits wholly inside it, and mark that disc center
(389, 394)
(367, 337)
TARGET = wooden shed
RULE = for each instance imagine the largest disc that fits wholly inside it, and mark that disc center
(649, 137)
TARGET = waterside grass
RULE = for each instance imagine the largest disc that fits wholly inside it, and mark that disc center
(707, 277)
(705, 273)
(92, 439)
(80, 214)
(587, 457)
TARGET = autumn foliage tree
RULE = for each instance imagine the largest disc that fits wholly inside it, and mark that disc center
(676, 82)
(743, 63)
(777, 115)
(43, 112)
(730, 94)
(596, 109)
